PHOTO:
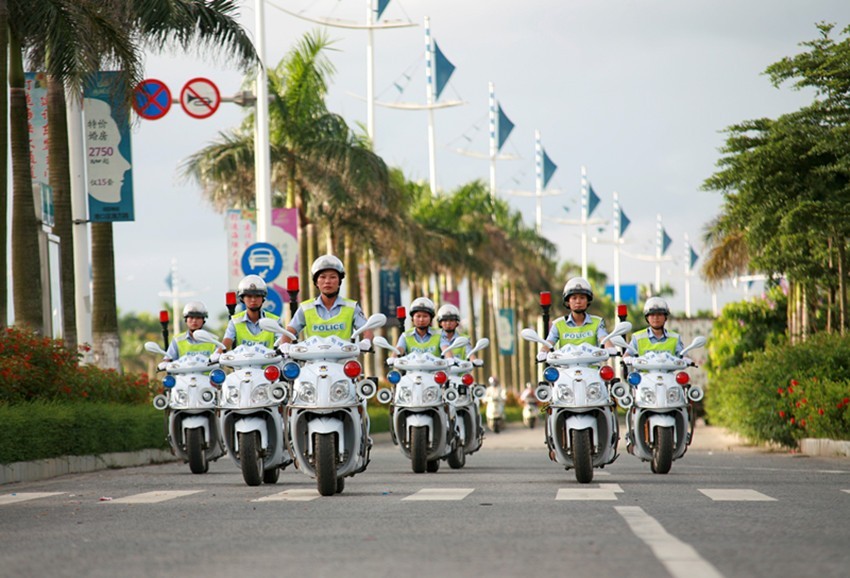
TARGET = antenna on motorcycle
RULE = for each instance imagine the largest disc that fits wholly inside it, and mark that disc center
(292, 289)
(230, 302)
(163, 320)
(545, 304)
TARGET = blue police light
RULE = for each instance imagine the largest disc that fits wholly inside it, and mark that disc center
(291, 370)
(169, 381)
(634, 378)
(393, 377)
(217, 376)
(551, 374)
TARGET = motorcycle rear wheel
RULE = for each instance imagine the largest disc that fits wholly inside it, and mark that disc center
(433, 466)
(195, 450)
(271, 476)
(457, 459)
(340, 485)
(582, 458)
(418, 449)
(326, 479)
(250, 459)
(662, 451)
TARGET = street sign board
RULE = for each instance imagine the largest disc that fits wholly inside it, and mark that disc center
(262, 259)
(273, 303)
(152, 99)
(200, 98)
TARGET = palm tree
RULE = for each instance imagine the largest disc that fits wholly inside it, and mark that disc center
(4, 151)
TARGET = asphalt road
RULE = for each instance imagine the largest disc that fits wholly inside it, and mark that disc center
(723, 510)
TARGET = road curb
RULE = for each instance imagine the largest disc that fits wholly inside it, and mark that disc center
(51, 468)
(825, 448)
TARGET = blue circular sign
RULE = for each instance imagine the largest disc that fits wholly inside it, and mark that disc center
(264, 260)
(152, 99)
(273, 303)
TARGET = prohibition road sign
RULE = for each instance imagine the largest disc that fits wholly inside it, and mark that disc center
(200, 98)
(152, 99)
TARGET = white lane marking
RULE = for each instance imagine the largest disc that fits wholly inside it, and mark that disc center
(291, 496)
(732, 495)
(848, 491)
(603, 492)
(153, 497)
(680, 559)
(25, 496)
(439, 494)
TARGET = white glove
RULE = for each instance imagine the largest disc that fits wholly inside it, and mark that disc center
(612, 351)
(688, 360)
(477, 362)
(284, 349)
(391, 361)
(162, 365)
(214, 358)
(365, 345)
(542, 355)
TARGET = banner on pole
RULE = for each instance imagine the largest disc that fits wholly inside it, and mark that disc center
(505, 331)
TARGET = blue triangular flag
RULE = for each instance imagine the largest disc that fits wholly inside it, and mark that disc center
(665, 241)
(382, 5)
(443, 70)
(592, 200)
(694, 257)
(169, 281)
(505, 127)
(624, 222)
(549, 169)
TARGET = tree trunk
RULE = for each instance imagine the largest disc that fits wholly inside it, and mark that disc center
(106, 347)
(26, 260)
(4, 167)
(312, 255)
(842, 285)
(60, 181)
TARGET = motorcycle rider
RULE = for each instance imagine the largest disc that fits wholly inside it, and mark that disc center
(194, 316)
(329, 314)
(244, 327)
(448, 319)
(656, 337)
(579, 326)
(422, 337)
(495, 397)
(527, 396)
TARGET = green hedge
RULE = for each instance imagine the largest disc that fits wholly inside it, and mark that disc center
(40, 430)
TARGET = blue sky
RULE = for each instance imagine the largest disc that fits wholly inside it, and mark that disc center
(637, 91)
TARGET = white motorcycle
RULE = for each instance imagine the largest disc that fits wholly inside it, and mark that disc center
(251, 410)
(469, 430)
(422, 414)
(189, 401)
(327, 422)
(529, 414)
(582, 432)
(660, 420)
(495, 411)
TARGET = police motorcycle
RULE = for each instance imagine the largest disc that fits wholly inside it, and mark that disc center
(327, 423)
(660, 418)
(189, 403)
(582, 431)
(422, 414)
(469, 430)
(251, 415)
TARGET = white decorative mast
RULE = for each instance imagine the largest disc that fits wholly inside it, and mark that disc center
(493, 146)
(588, 198)
(262, 157)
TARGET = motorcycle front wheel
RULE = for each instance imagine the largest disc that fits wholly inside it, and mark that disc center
(271, 476)
(195, 450)
(326, 479)
(418, 449)
(582, 458)
(662, 451)
(250, 459)
(457, 459)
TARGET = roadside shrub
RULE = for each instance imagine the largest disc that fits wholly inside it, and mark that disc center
(776, 395)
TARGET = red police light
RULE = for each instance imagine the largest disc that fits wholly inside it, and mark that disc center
(682, 378)
(400, 312)
(163, 316)
(272, 373)
(467, 379)
(440, 377)
(606, 372)
(545, 298)
(352, 369)
(230, 298)
(622, 311)
(292, 283)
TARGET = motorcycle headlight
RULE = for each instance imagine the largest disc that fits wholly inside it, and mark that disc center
(566, 393)
(180, 399)
(307, 392)
(647, 396)
(594, 392)
(260, 395)
(208, 396)
(340, 391)
(431, 394)
(232, 395)
(673, 395)
(404, 394)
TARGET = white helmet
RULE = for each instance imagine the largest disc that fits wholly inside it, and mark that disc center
(327, 262)
(578, 286)
(251, 285)
(655, 305)
(448, 312)
(195, 309)
(422, 304)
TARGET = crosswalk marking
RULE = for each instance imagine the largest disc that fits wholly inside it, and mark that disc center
(680, 559)
(439, 494)
(733, 495)
(291, 496)
(603, 492)
(153, 497)
(25, 496)
(848, 491)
